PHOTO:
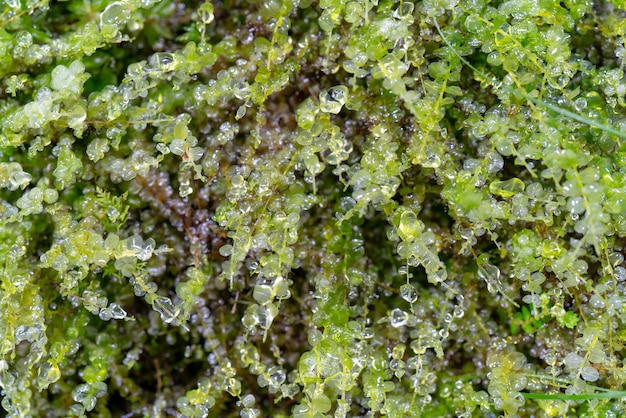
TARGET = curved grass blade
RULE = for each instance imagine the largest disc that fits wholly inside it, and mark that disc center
(603, 392)
(613, 394)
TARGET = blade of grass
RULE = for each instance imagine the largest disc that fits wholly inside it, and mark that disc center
(579, 397)
(552, 379)
(604, 393)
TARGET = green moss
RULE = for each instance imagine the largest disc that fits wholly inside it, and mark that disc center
(295, 208)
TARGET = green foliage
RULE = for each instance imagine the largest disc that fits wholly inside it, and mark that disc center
(312, 209)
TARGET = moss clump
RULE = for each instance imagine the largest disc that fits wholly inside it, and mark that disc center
(308, 209)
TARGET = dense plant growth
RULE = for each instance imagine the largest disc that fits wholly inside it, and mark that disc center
(312, 208)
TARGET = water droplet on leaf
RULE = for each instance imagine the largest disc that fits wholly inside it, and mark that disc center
(333, 99)
(589, 374)
(399, 318)
(410, 227)
(48, 374)
(408, 293)
(507, 188)
(205, 13)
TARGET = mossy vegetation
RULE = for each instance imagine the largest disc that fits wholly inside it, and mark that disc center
(312, 208)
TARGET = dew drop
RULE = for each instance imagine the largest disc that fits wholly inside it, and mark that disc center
(431, 160)
(580, 266)
(408, 293)
(399, 318)
(392, 68)
(48, 374)
(580, 104)
(438, 276)
(117, 312)
(589, 374)
(551, 359)
(266, 315)
(104, 314)
(205, 13)
(333, 99)
(262, 293)
(80, 392)
(315, 337)
(597, 301)
(164, 61)
(313, 164)
(185, 189)
(248, 401)
(321, 403)
(113, 14)
(410, 227)
(302, 411)
(113, 213)
(491, 275)
(249, 413)
(19, 180)
(573, 361)
(404, 10)
(507, 188)
(616, 259)
(576, 205)
(225, 250)
(495, 162)
(164, 306)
